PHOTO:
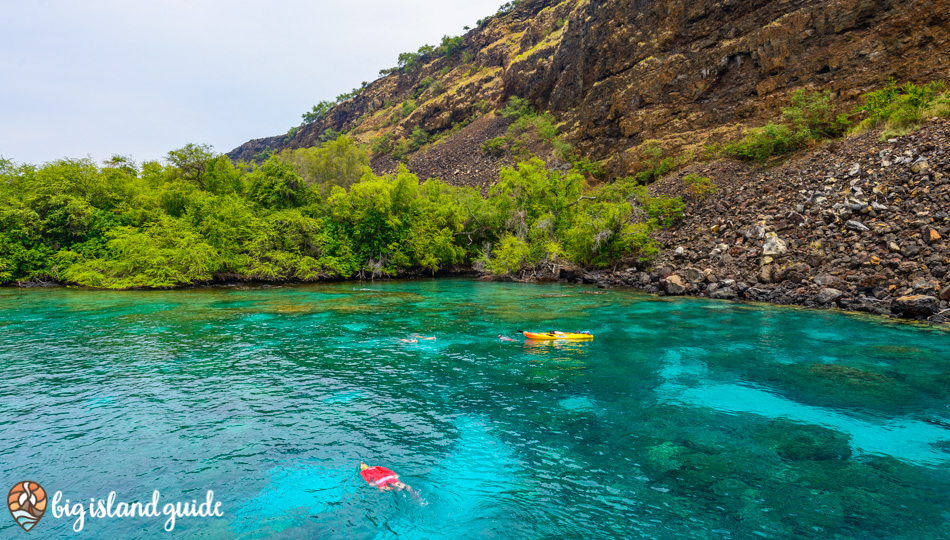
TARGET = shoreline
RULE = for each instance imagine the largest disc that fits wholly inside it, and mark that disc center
(657, 283)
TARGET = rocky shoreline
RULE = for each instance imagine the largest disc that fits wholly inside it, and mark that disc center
(859, 224)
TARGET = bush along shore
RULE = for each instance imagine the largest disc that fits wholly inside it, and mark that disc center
(305, 215)
(861, 224)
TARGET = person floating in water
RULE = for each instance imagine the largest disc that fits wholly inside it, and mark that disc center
(417, 336)
(384, 479)
(505, 338)
(410, 340)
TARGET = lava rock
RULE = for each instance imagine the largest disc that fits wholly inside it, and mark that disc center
(828, 295)
(673, 285)
(856, 225)
(916, 306)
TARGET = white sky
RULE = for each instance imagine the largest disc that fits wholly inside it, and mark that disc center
(141, 77)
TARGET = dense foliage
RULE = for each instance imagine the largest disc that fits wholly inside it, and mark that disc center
(810, 118)
(304, 215)
(901, 109)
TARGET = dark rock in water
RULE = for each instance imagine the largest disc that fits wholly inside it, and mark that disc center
(805, 442)
(828, 295)
(724, 293)
(916, 306)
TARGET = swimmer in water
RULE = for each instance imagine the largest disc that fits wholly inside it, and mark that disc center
(417, 336)
(384, 479)
(410, 340)
(505, 338)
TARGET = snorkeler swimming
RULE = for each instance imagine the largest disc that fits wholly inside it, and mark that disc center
(505, 338)
(381, 477)
(385, 480)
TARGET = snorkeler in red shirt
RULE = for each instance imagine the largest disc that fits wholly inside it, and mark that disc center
(384, 479)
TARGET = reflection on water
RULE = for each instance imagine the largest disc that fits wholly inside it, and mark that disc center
(682, 418)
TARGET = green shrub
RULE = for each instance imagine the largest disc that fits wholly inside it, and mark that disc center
(496, 147)
(418, 138)
(699, 186)
(810, 118)
(382, 144)
(319, 111)
(654, 166)
(586, 166)
(517, 108)
(450, 45)
(901, 109)
(511, 255)
(762, 143)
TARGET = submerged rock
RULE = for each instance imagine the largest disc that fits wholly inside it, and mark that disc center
(805, 442)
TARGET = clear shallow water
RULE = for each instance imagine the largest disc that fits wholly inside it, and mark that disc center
(683, 418)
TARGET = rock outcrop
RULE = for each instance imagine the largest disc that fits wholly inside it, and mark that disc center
(617, 73)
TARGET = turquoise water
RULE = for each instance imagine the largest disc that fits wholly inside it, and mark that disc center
(683, 418)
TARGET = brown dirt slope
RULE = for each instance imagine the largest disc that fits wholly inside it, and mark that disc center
(458, 159)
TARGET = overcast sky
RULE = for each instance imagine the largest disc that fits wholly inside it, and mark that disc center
(139, 78)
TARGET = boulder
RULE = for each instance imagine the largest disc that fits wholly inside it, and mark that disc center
(774, 246)
(916, 306)
(754, 232)
(693, 275)
(673, 285)
(724, 293)
(828, 296)
(827, 281)
(855, 225)
(945, 293)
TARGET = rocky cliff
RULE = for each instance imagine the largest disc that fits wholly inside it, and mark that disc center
(617, 73)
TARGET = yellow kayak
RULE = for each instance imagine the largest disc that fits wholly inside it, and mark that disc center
(558, 335)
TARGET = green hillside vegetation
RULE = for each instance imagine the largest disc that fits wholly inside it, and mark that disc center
(812, 118)
(304, 215)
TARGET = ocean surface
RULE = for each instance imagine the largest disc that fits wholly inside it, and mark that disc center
(683, 418)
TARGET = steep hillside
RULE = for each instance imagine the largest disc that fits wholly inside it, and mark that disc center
(618, 73)
(862, 224)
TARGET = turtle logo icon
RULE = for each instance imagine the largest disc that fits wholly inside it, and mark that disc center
(27, 502)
